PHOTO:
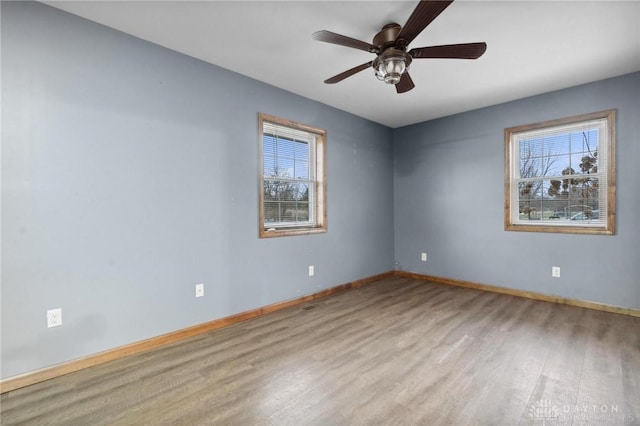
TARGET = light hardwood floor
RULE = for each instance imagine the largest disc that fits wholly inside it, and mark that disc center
(399, 351)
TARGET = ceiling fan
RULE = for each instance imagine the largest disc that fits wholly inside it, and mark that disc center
(392, 60)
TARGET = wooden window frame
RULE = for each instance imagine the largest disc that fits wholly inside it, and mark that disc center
(609, 227)
(320, 191)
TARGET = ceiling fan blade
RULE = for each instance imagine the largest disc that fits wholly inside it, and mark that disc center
(329, 37)
(424, 13)
(348, 73)
(450, 51)
(405, 84)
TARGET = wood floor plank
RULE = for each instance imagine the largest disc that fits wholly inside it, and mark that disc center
(400, 351)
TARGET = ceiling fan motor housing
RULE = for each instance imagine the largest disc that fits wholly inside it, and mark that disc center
(387, 36)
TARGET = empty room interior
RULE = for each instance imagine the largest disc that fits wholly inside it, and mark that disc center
(283, 212)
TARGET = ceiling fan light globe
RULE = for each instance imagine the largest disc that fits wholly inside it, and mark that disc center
(393, 65)
(392, 78)
(390, 69)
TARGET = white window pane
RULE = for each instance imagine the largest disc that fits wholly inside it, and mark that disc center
(271, 212)
(584, 142)
(269, 145)
(588, 164)
(531, 148)
(557, 144)
(269, 166)
(302, 212)
(556, 165)
(285, 167)
(301, 151)
(285, 148)
(301, 170)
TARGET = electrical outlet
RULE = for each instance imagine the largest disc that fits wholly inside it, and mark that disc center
(311, 270)
(423, 257)
(54, 317)
(555, 271)
(199, 290)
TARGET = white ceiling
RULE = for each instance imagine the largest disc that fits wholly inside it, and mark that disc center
(533, 47)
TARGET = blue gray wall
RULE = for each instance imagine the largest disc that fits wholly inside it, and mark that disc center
(129, 174)
(449, 198)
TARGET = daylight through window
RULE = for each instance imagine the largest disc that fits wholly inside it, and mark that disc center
(292, 194)
(560, 175)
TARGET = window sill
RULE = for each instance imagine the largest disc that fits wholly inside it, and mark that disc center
(591, 230)
(284, 232)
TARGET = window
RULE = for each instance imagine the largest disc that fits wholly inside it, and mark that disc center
(292, 178)
(560, 175)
